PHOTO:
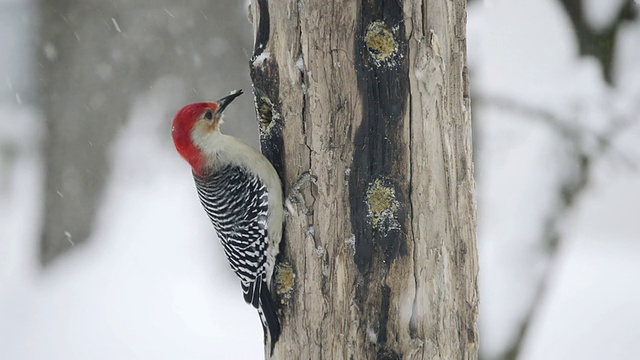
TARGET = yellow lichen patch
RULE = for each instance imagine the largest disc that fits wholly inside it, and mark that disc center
(265, 110)
(380, 42)
(267, 114)
(285, 278)
(382, 203)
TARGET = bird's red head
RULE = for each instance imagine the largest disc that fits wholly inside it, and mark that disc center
(193, 126)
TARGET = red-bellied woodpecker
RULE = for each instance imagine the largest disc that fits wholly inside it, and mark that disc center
(242, 194)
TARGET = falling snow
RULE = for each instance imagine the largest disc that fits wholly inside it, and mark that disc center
(50, 51)
(169, 13)
(68, 235)
(115, 24)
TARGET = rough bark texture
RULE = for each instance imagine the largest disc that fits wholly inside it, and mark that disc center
(372, 97)
(97, 58)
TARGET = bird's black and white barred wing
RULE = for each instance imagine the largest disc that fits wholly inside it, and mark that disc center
(237, 204)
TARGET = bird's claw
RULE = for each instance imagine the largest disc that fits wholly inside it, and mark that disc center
(295, 196)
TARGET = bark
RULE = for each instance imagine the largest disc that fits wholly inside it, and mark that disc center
(97, 58)
(372, 97)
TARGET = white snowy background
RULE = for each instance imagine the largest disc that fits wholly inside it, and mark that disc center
(113, 298)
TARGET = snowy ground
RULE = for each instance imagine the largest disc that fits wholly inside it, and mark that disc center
(146, 287)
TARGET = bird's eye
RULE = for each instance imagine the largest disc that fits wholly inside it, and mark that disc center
(208, 114)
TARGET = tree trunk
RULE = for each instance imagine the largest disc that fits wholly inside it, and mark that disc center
(372, 97)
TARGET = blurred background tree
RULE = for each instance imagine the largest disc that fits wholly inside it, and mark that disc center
(95, 59)
(582, 149)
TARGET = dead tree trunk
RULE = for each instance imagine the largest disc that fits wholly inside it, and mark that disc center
(372, 97)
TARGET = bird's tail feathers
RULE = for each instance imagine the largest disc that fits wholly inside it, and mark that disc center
(269, 316)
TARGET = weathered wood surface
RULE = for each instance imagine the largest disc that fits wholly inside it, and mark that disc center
(372, 97)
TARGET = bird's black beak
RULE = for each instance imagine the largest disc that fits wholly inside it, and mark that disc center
(225, 101)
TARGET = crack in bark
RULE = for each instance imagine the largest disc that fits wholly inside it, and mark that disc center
(304, 120)
(412, 326)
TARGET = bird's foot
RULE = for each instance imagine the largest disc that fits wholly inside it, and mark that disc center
(295, 196)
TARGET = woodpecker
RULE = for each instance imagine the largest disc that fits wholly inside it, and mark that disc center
(242, 195)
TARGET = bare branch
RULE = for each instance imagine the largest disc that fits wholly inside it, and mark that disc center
(569, 190)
